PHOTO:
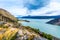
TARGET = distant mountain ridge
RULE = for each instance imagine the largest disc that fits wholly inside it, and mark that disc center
(40, 17)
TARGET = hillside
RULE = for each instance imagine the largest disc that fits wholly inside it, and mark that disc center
(7, 14)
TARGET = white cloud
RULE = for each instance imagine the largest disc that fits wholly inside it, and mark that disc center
(6, 0)
(17, 11)
(16, 7)
(53, 6)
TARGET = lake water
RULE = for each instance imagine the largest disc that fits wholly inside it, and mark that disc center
(41, 24)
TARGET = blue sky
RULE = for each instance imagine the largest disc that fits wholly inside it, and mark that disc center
(31, 7)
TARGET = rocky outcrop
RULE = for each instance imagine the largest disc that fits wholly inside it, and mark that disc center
(54, 21)
(18, 34)
(7, 15)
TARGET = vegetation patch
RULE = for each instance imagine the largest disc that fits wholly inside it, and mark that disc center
(45, 35)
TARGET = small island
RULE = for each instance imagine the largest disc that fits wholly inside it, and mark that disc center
(23, 20)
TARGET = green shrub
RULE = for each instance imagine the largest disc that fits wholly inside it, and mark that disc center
(49, 37)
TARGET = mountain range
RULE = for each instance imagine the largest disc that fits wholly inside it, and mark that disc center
(39, 17)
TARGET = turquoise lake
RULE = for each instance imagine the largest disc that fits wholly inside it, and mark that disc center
(41, 24)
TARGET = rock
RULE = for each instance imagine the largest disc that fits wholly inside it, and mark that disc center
(54, 21)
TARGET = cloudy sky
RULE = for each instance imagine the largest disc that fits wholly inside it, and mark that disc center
(31, 7)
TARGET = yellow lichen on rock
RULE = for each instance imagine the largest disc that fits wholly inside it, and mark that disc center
(8, 34)
(1, 36)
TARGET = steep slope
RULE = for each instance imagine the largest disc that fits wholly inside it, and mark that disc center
(7, 14)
